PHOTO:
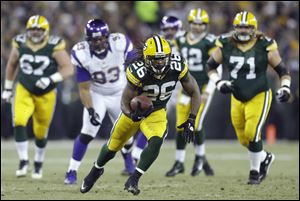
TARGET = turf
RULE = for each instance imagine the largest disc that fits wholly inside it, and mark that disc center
(228, 159)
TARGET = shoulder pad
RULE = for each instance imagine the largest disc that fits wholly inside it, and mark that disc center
(54, 40)
(269, 43)
(179, 65)
(80, 52)
(136, 73)
(210, 37)
(117, 41)
(21, 38)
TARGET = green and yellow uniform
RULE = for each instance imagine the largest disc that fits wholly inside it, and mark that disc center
(252, 97)
(29, 99)
(196, 54)
(159, 90)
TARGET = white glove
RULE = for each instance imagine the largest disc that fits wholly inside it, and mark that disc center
(225, 86)
(283, 94)
(43, 82)
(7, 95)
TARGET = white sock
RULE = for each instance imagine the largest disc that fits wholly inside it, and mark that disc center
(74, 164)
(200, 150)
(136, 153)
(22, 149)
(39, 154)
(255, 160)
(263, 155)
(180, 155)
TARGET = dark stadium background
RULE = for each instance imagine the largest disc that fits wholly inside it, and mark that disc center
(279, 20)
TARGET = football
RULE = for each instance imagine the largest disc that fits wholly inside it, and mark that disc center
(146, 102)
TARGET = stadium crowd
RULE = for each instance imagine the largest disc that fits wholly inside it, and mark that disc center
(279, 20)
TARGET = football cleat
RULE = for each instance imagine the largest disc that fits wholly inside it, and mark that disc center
(37, 172)
(23, 168)
(253, 177)
(176, 169)
(207, 169)
(131, 185)
(90, 179)
(198, 165)
(201, 163)
(71, 177)
(265, 166)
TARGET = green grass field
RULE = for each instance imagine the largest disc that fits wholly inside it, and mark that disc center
(228, 158)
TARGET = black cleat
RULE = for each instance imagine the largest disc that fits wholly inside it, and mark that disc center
(253, 177)
(131, 185)
(90, 179)
(176, 169)
(265, 166)
(207, 169)
(198, 165)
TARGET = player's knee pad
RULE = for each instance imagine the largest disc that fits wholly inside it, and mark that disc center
(20, 133)
(85, 139)
(41, 143)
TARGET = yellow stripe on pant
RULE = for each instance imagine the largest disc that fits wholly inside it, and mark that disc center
(41, 109)
(249, 117)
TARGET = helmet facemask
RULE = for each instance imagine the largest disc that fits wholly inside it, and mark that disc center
(98, 44)
(158, 65)
(36, 35)
(244, 33)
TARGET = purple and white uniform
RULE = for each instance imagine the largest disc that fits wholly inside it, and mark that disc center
(106, 72)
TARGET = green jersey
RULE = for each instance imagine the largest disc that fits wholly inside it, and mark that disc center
(247, 69)
(159, 90)
(196, 55)
(37, 64)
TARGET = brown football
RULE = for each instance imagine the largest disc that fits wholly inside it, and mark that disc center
(146, 102)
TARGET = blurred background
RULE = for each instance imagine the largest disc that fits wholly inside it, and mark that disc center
(279, 20)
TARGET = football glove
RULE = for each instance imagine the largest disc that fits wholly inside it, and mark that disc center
(94, 117)
(138, 114)
(7, 95)
(225, 86)
(189, 129)
(43, 82)
(283, 94)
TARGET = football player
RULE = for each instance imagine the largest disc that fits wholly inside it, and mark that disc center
(43, 63)
(99, 61)
(195, 45)
(170, 27)
(154, 74)
(247, 53)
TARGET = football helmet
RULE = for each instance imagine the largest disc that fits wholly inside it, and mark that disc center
(169, 26)
(198, 16)
(245, 26)
(156, 54)
(37, 28)
(198, 20)
(97, 33)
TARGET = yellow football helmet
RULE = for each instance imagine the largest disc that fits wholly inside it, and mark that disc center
(198, 16)
(247, 21)
(37, 28)
(156, 54)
